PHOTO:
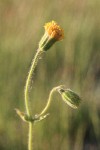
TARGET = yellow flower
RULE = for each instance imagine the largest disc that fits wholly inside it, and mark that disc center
(53, 33)
(54, 30)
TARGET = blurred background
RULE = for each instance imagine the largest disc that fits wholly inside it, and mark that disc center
(75, 62)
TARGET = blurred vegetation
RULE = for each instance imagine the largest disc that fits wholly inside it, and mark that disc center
(75, 62)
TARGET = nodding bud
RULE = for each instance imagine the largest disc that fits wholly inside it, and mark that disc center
(70, 97)
(53, 33)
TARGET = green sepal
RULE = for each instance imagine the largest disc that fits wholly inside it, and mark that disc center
(46, 42)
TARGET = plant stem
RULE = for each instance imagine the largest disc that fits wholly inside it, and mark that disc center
(30, 136)
(28, 81)
(48, 101)
(27, 86)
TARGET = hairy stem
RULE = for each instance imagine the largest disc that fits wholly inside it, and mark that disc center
(30, 136)
(28, 81)
(27, 86)
(48, 101)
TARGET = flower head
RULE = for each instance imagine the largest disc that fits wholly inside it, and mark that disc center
(53, 33)
(54, 30)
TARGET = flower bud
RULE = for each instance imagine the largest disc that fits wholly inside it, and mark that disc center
(53, 33)
(70, 97)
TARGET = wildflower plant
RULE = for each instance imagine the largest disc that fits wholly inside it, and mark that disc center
(53, 33)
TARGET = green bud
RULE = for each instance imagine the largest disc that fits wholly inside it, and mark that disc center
(70, 97)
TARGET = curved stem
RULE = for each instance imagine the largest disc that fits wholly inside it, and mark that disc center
(30, 136)
(27, 86)
(28, 81)
(48, 101)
